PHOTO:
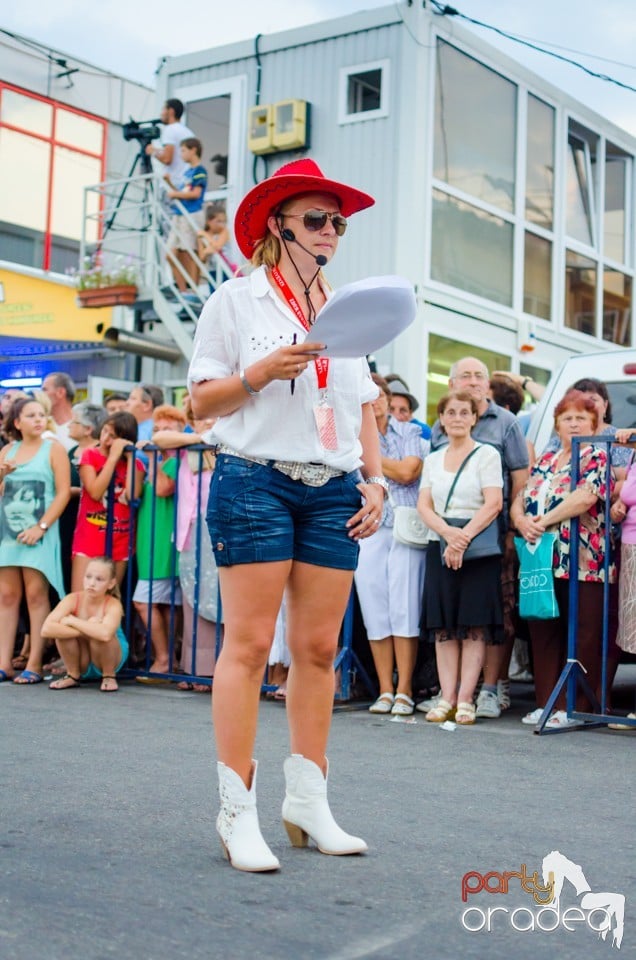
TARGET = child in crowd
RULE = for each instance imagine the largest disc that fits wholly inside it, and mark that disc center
(155, 531)
(87, 629)
(215, 238)
(182, 241)
(98, 465)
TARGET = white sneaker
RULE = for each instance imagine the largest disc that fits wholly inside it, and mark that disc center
(503, 694)
(425, 705)
(488, 705)
(560, 719)
(533, 718)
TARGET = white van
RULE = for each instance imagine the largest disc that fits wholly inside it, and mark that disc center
(616, 368)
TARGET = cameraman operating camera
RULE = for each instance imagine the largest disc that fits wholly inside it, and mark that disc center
(172, 134)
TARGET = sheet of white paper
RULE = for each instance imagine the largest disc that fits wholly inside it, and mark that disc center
(364, 316)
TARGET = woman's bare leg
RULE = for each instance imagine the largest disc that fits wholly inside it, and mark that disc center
(317, 598)
(383, 661)
(405, 656)
(10, 596)
(78, 569)
(447, 654)
(36, 591)
(473, 656)
(252, 594)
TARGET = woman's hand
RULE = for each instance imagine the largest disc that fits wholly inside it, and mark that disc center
(453, 557)
(623, 435)
(6, 467)
(117, 447)
(531, 528)
(456, 538)
(618, 511)
(30, 536)
(286, 363)
(366, 521)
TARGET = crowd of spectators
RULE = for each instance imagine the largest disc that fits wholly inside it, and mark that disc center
(78, 480)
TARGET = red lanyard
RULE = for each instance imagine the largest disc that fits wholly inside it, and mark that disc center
(321, 363)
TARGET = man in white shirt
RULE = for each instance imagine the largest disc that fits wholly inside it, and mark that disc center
(172, 134)
(60, 390)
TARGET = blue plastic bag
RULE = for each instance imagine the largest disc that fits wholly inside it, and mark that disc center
(537, 600)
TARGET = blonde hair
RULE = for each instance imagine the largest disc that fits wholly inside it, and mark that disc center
(170, 412)
(43, 399)
(267, 251)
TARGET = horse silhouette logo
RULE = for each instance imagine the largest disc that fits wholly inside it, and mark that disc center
(557, 869)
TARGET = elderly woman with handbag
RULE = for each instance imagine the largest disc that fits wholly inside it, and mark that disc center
(548, 504)
(460, 500)
(390, 574)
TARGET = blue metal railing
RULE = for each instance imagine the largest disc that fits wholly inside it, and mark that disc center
(574, 673)
(347, 661)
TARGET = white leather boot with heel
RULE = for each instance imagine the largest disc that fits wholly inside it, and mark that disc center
(306, 812)
(237, 823)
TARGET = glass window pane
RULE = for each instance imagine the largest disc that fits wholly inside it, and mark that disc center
(617, 307)
(537, 280)
(580, 166)
(211, 120)
(25, 112)
(71, 173)
(580, 293)
(364, 91)
(540, 163)
(77, 131)
(442, 354)
(472, 249)
(616, 166)
(23, 160)
(475, 128)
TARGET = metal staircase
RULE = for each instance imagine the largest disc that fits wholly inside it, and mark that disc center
(127, 222)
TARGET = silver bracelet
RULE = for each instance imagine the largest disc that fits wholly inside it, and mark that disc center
(382, 482)
(248, 386)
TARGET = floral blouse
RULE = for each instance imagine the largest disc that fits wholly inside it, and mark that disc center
(548, 486)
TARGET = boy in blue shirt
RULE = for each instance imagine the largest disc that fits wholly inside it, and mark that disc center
(182, 241)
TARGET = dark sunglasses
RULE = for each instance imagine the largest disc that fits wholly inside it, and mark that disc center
(315, 220)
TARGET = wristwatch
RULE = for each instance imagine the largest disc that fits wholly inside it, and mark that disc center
(382, 482)
(525, 381)
(43, 525)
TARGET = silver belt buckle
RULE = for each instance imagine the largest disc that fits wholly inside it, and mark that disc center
(315, 474)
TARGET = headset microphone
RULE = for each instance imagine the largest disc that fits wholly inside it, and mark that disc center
(290, 236)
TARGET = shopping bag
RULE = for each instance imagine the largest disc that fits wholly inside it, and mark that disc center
(537, 600)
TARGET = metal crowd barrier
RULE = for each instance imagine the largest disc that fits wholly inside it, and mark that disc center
(346, 662)
(573, 674)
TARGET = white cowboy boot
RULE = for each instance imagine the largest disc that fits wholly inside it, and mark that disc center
(237, 823)
(306, 810)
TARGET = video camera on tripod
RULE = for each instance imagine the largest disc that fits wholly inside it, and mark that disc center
(145, 131)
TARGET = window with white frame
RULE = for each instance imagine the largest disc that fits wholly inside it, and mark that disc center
(363, 92)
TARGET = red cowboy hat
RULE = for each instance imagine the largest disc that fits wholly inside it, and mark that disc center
(299, 176)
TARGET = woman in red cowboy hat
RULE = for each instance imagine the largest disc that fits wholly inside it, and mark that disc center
(287, 503)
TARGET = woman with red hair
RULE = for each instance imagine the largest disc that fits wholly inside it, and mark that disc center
(547, 503)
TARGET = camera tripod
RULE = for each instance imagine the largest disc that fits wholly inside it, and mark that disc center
(143, 161)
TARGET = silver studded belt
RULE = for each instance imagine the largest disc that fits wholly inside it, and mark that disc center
(311, 474)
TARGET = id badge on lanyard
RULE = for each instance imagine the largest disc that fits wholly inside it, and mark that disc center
(323, 411)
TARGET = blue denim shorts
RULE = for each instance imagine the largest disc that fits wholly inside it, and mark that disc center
(257, 514)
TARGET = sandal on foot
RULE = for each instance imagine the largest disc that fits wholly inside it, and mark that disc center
(109, 683)
(27, 678)
(403, 706)
(4, 676)
(63, 684)
(465, 713)
(383, 704)
(442, 711)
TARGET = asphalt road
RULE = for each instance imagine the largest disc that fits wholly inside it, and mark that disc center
(108, 846)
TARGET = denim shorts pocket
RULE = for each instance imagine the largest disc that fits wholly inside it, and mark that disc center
(233, 480)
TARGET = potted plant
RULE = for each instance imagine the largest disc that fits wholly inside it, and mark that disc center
(102, 285)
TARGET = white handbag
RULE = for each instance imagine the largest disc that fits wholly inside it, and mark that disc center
(408, 527)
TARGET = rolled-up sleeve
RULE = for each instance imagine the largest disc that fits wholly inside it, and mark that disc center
(215, 354)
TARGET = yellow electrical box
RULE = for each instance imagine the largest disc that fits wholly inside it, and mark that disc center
(261, 129)
(290, 124)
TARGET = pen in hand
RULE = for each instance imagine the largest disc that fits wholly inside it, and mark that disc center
(292, 383)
